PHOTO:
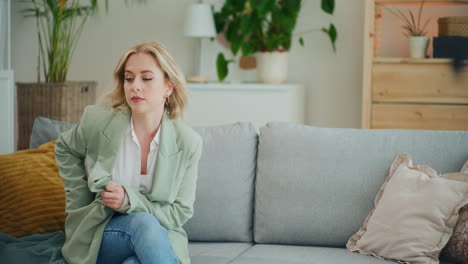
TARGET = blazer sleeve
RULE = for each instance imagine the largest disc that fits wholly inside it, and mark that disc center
(170, 216)
(70, 151)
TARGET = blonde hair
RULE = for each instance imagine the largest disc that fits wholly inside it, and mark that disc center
(176, 102)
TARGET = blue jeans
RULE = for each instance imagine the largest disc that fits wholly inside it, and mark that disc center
(136, 238)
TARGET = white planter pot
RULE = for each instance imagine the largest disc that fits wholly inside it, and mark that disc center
(272, 67)
(418, 46)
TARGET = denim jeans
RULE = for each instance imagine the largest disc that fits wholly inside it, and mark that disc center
(135, 238)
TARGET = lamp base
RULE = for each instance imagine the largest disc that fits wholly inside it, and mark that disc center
(198, 79)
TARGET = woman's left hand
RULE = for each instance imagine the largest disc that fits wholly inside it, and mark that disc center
(114, 196)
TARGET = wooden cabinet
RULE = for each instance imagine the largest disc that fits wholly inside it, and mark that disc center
(410, 93)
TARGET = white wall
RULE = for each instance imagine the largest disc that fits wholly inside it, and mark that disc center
(332, 80)
(106, 37)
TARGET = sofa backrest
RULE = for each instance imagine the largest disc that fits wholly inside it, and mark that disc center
(315, 186)
(226, 175)
(225, 186)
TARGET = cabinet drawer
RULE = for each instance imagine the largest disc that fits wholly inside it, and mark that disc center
(424, 83)
(420, 116)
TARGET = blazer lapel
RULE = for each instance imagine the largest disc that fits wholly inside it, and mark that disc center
(167, 163)
(110, 140)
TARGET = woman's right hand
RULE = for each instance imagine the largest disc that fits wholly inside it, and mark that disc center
(114, 196)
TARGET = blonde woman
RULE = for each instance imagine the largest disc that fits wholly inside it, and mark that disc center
(130, 170)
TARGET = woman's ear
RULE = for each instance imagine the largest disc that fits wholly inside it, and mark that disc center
(170, 89)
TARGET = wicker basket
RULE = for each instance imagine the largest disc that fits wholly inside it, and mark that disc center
(58, 101)
(453, 26)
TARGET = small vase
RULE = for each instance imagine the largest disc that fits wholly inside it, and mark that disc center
(418, 46)
(272, 67)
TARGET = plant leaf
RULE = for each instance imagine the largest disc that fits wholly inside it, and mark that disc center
(301, 41)
(247, 49)
(262, 6)
(413, 25)
(234, 37)
(219, 22)
(221, 67)
(62, 4)
(403, 16)
(328, 6)
(424, 27)
(419, 15)
(332, 34)
(410, 30)
(235, 45)
(245, 22)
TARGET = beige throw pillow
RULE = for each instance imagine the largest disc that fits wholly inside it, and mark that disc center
(414, 214)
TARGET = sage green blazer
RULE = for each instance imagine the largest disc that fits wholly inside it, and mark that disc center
(85, 156)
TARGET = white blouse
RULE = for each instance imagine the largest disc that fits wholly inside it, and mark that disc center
(127, 166)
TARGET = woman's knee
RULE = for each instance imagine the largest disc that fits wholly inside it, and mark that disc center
(143, 219)
(129, 223)
(148, 227)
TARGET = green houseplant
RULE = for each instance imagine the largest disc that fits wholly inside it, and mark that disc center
(412, 24)
(59, 26)
(414, 30)
(252, 26)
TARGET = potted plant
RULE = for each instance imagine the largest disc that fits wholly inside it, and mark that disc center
(264, 28)
(414, 30)
(59, 26)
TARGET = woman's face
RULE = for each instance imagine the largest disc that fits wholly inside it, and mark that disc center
(145, 87)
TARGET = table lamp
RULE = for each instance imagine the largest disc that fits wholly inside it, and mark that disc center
(199, 24)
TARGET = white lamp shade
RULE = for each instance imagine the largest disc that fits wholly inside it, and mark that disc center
(199, 22)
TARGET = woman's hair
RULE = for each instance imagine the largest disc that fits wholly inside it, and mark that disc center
(176, 102)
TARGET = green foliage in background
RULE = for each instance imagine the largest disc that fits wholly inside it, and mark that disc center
(59, 27)
(253, 26)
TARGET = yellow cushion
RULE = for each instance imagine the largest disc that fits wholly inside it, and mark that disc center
(32, 196)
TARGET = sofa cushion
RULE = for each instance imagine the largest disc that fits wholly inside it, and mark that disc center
(45, 130)
(414, 215)
(457, 247)
(278, 254)
(216, 253)
(315, 186)
(223, 209)
(32, 196)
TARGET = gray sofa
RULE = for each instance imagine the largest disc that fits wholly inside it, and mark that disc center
(295, 194)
